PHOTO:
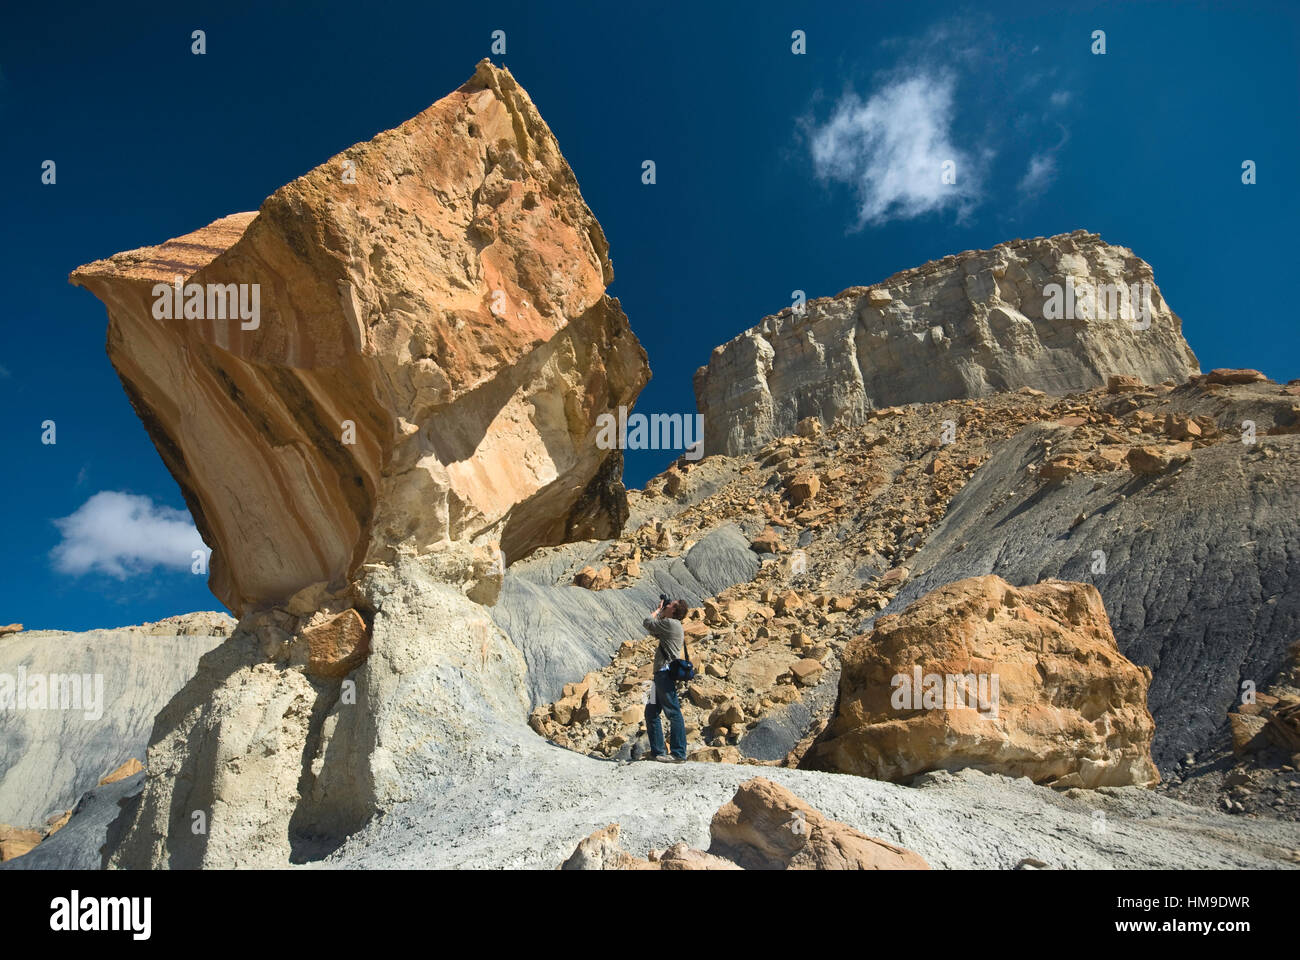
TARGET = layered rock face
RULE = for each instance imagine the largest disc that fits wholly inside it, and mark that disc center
(964, 326)
(75, 706)
(1024, 682)
(405, 347)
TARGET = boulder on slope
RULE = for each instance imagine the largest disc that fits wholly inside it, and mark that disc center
(762, 827)
(766, 827)
(1023, 682)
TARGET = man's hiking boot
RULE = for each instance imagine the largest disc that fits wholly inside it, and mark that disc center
(669, 758)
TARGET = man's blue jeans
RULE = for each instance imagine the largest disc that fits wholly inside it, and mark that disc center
(666, 701)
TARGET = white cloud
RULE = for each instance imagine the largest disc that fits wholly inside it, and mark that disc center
(1042, 169)
(963, 83)
(1039, 175)
(892, 147)
(123, 535)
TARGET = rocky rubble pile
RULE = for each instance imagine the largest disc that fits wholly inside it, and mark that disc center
(407, 347)
(752, 655)
(835, 514)
(1149, 430)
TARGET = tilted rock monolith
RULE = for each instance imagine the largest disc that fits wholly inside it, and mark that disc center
(1057, 313)
(405, 347)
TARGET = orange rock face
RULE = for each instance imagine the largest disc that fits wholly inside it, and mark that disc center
(766, 827)
(336, 644)
(128, 769)
(415, 352)
(15, 841)
(978, 673)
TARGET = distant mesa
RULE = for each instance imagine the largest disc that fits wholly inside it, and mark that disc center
(967, 325)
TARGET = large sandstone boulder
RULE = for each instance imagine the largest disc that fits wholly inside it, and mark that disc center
(964, 326)
(1023, 682)
(431, 348)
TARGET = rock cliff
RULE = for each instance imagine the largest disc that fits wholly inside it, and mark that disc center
(1057, 314)
(407, 346)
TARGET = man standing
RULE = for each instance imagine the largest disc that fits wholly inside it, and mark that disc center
(665, 624)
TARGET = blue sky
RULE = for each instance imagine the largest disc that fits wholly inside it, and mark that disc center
(775, 172)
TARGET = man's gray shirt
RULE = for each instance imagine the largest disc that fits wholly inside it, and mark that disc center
(671, 640)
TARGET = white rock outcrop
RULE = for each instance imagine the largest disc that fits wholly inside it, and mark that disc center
(108, 685)
(260, 764)
(963, 326)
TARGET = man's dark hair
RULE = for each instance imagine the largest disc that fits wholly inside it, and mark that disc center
(677, 609)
